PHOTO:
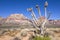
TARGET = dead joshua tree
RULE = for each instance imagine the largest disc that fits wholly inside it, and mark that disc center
(42, 27)
(34, 18)
(43, 24)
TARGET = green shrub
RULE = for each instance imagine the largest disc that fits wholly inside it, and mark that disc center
(41, 38)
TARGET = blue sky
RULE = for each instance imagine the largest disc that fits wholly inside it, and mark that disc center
(8, 7)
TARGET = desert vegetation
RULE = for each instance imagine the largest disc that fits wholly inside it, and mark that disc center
(41, 38)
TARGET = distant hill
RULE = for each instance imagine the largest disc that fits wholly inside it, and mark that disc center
(50, 23)
(21, 21)
(54, 23)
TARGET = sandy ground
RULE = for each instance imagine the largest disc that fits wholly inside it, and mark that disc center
(8, 36)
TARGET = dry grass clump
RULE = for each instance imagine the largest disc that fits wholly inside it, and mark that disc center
(10, 33)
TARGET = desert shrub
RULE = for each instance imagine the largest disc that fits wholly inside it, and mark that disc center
(41, 38)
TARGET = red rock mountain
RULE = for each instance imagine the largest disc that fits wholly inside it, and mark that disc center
(15, 20)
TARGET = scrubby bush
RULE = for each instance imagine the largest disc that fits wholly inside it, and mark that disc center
(41, 38)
